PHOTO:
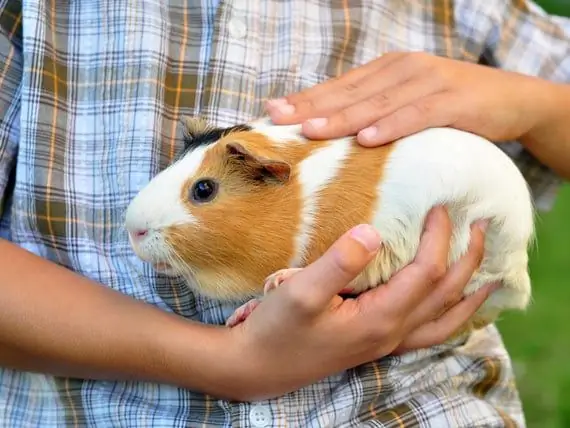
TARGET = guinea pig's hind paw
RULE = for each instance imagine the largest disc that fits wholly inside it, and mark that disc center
(241, 313)
(277, 278)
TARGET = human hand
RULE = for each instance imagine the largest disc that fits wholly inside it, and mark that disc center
(303, 331)
(402, 93)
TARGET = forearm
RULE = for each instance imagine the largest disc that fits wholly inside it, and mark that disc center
(549, 139)
(55, 321)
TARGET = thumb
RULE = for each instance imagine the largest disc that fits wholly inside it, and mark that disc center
(319, 282)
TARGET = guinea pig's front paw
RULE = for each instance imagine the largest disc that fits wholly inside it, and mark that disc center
(241, 313)
(277, 278)
(271, 282)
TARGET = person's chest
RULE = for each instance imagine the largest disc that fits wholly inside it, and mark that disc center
(105, 84)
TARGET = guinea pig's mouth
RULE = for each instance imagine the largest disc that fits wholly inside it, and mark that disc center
(162, 267)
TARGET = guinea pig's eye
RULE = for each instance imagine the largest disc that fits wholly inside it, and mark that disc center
(204, 190)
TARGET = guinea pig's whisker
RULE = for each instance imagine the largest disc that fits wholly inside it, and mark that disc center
(185, 270)
(175, 260)
(181, 240)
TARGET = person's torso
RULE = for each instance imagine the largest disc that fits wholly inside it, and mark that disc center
(104, 85)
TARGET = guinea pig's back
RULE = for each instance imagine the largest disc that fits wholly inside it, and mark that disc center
(470, 175)
(473, 179)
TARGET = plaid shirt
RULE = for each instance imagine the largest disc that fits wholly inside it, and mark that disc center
(90, 96)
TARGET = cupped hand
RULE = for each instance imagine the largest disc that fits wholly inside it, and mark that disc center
(303, 331)
(402, 93)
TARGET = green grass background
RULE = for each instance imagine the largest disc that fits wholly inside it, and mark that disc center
(539, 340)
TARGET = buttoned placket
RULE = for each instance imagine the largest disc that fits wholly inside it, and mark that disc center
(234, 26)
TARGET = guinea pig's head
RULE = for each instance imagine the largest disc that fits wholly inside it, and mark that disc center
(224, 214)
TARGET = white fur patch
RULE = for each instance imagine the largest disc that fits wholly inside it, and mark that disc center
(475, 180)
(158, 206)
(278, 134)
(315, 173)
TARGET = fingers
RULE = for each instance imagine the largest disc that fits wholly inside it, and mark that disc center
(449, 290)
(441, 329)
(438, 109)
(312, 289)
(387, 97)
(340, 92)
(413, 283)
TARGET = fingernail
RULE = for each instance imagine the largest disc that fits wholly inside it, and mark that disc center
(367, 236)
(368, 134)
(482, 224)
(317, 123)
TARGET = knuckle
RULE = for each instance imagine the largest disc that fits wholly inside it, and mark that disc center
(381, 333)
(395, 123)
(379, 102)
(422, 108)
(306, 104)
(344, 118)
(307, 306)
(434, 271)
(345, 267)
(451, 300)
(351, 119)
(350, 88)
(298, 298)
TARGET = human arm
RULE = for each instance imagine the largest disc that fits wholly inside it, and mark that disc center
(55, 321)
(522, 94)
(549, 137)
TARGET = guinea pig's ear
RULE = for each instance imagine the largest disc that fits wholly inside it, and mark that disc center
(260, 168)
(193, 127)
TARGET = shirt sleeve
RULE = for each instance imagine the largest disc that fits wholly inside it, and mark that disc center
(520, 36)
(517, 35)
(10, 86)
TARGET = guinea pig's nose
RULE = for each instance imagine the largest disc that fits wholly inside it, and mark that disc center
(139, 233)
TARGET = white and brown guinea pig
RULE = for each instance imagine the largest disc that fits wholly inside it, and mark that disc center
(243, 202)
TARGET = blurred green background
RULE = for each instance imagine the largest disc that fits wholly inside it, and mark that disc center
(539, 341)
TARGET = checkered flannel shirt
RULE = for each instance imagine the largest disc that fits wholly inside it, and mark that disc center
(90, 97)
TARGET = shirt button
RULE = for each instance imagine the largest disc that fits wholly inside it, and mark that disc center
(260, 416)
(237, 28)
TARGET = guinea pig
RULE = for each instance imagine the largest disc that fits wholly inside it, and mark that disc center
(242, 203)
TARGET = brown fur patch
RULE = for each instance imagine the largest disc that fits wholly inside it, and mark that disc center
(352, 198)
(247, 231)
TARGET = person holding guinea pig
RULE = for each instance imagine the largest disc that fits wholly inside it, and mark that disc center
(90, 98)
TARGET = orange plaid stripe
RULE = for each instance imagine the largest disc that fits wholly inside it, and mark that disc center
(90, 97)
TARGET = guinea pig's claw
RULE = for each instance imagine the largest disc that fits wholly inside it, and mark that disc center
(277, 278)
(241, 313)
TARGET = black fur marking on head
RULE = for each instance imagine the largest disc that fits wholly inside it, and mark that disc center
(198, 134)
(211, 135)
